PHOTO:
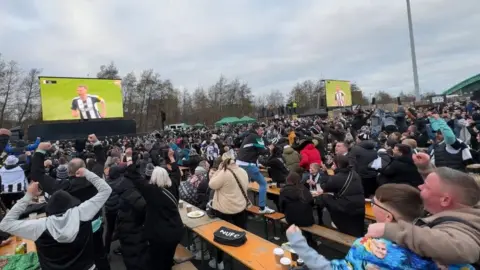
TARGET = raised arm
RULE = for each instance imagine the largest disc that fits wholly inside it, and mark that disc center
(90, 208)
(29, 229)
(37, 171)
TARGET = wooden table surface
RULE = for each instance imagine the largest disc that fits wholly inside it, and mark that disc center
(369, 211)
(256, 253)
(10, 248)
(253, 186)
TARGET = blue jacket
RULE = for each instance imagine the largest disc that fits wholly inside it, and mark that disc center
(366, 253)
(20, 149)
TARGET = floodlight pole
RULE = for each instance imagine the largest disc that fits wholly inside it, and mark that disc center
(414, 55)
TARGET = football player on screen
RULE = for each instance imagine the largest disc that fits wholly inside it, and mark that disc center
(85, 106)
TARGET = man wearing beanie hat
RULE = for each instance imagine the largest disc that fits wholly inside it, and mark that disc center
(13, 181)
(76, 186)
(64, 239)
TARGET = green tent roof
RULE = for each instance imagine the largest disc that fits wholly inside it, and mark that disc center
(227, 120)
(246, 120)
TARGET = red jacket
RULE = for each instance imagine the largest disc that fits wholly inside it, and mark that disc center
(310, 155)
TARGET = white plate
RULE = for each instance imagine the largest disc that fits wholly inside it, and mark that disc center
(196, 214)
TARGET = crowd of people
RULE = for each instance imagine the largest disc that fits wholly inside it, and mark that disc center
(410, 164)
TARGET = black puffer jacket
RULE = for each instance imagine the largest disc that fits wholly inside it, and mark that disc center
(276, 166)
(130, 230)
(115, 177)
(352, 202)
(401, 170)
(297, 204)
(361, 155)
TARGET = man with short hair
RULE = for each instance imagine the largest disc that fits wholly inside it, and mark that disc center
(252, 147)
(341, 148)
(85, 105)
(451, 235)
(77, 186)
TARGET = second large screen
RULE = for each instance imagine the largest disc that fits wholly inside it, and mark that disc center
(338, 93)
(80, 98)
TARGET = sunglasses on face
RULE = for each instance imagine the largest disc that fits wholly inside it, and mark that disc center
(372, 202)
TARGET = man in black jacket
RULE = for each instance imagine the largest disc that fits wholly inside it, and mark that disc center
(401, 169)
(78, 187)
(252, 147)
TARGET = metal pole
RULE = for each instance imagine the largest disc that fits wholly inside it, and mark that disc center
(414, 56)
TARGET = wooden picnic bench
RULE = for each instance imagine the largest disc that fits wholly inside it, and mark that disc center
(369, 211)
(253, 186)
(10, 248)
(184, 266)
(327, 233)
(256, 253)
(182, 254)
(274, 217)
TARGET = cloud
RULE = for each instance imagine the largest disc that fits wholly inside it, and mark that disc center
(271, 44)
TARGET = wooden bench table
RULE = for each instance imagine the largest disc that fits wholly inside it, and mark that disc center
(10, 248)
(369, 211)
(275, 217)
(327, 233)
(253, 186)
(256, 253)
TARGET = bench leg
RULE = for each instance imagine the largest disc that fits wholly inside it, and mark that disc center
(265, 221)
(274, 229)
(202, 253)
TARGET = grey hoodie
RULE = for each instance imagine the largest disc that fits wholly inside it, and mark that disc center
(64, 228)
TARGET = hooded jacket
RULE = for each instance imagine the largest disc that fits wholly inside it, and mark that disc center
(292, 160)
(361, 155)
(252, 147)
(401, 170)
(448, 243)
(63, 241)
(115, 176)
(310, 155)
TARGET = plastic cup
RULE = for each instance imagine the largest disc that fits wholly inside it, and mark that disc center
(274, 185)
(278, 252)
(189, 208)
(180, 204)
(285, 263)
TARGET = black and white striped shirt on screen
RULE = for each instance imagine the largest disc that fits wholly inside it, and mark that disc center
(88, 108)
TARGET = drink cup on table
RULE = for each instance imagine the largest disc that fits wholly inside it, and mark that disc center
(189, 208)
(278, 252)
(285, 263)
(180, 204)
(274, 185)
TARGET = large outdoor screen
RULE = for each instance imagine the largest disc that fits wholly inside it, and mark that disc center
(80, 98)
(338, 93)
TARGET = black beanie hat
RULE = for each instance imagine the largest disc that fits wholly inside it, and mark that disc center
(60, 202)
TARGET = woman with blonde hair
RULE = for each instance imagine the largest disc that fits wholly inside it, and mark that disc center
(163, 224)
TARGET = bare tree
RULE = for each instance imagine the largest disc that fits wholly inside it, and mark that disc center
(109, 71)
(9, 82)
(29, 92)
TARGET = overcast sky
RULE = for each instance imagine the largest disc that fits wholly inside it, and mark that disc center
(272, 44)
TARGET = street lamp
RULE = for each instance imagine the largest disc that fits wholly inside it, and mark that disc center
(414, 56)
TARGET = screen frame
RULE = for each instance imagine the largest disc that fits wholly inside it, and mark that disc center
(75, 120)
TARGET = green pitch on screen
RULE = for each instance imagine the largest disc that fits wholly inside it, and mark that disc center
(331, 89)
(58, 93)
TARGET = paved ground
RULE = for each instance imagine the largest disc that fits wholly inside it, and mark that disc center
(329, 250)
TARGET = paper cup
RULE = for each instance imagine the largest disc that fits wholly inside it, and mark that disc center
(278, 252)
(285, 262)
(189, 208)
(180, 204)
